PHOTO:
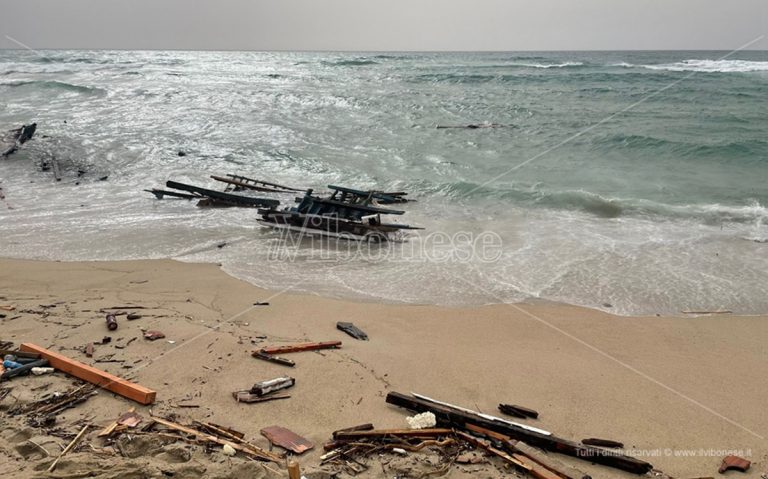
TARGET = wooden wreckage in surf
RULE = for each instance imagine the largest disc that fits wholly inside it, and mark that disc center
(346, 213)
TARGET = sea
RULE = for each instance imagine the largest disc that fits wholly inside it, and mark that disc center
(631, 182)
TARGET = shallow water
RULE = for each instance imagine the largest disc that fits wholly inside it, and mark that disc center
(642, 185)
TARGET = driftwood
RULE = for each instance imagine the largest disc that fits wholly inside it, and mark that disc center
(593, 441)
(295, 348)
(459, 418)
(69, 447)
(268, 387)
(352, 330)
(17, 138)
(274, 359)
(246, 448)
(286, 439)
(518, 411)
(376, 433)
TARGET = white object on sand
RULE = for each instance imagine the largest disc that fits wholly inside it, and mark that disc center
(228, 450)
(422, 421)
(39, 371)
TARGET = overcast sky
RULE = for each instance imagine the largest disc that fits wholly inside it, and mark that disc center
(368, 25)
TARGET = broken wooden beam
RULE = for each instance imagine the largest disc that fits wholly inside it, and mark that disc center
(734, 462)
(295, 348)
(374, 433)
(272, 385)
(100, 378)
(453, 416)
(361, 427)
(274, 359)
(518, 411)
(593, 441)
(250, 398)
(246, 448)
(352, 330)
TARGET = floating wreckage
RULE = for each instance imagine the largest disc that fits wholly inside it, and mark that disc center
(346, 214)
(211, 197)
(15, 138)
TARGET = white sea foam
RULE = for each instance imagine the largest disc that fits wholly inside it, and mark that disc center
(705, 66)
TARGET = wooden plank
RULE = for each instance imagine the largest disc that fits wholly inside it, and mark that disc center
(286, 439)
(434, 432)
(246, 448)
(449, 415)
(100, 378)
(295, 348)
(274, 359)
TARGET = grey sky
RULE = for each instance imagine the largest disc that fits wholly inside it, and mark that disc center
(385, 25)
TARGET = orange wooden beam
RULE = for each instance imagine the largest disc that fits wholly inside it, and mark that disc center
(102, 379)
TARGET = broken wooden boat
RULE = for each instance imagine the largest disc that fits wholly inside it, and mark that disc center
(240, 183)
(345, 214)
(351, 195)
(211, 197)
(15, 138)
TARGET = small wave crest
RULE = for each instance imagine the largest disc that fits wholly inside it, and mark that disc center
(350, 63)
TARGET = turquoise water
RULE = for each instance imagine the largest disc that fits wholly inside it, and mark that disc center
(642, 185)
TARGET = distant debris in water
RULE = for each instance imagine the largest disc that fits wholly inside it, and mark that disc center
(11, 142)
(181, 153)
(472, 126)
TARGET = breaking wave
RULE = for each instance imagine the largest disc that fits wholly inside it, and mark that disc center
(705, 66)
(53, 85)
(609, 207)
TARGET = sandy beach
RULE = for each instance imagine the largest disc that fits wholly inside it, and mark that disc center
(676, 390)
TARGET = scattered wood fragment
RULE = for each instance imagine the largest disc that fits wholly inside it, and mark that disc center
(449, 415)
(593, 441)
(95, 376)
(286, 439)
(248, 449)
(250, 398)
(89, 350)
(153, 335)
(361, 427)
(274, 359)
(518, 411)
(549, 462)
(272, 385)
(40, 411)
(133, 317)
(294, 472)
(69, 447)
(734, 462)
(352, 330)
(352, 435)
(295, 348)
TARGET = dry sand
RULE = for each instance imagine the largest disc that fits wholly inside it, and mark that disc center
(668, 386)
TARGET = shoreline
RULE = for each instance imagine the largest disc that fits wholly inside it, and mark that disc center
(655, 383)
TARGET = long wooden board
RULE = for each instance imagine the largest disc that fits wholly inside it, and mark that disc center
(102, 379)
(295, 348)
